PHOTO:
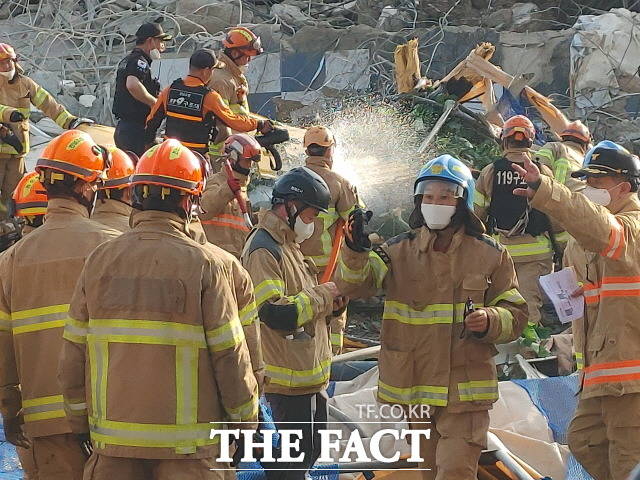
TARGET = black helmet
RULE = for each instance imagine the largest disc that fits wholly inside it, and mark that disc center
(303, 184)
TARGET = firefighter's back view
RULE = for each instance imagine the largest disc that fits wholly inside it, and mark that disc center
(37, 278)
(155, 321)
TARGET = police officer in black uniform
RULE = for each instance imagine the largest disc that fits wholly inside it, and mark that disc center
(136, 89)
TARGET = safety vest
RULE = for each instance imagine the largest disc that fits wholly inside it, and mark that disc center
(186, 118)
(506, 208)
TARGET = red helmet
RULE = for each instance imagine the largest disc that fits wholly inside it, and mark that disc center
(242, 146)
(172, 165)
(519, 127)
(578, 130)
(7, 51)
(243, 39)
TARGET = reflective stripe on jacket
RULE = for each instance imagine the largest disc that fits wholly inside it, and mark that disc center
(610, 339)
(222, 219)
(162, 342)
(423, 359)
(20, 95)
(37, 279)
(293, 367)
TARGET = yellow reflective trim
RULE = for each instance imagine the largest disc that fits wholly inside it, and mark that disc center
(506, 324)
(437, 313)
(547, 154)
(39, 98)
(299, 378)
(268, 289)
(541, 246)
(337, 339)
(35, 402)
(375, 265)
(248, 314)
(34, 417)
(479, 199)
(562, 237)
(108, 432)
(303, 307)
(475, 390)
(186, 390)
(227, 336)
(560, 169)
(414, 395)
(5, 322)
(39, 326)
(245, 412)
(63, 119)
(579, 360)
(34, 312)
(75, 331)
(511, 296)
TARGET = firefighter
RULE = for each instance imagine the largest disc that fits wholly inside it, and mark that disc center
(113, 206)
(136, 89)
(37, 279)
(522, 230)
(222, 219)
(451, 294)
(566, 156)
(168, 331)
(191, 108)
(605, 221)
(30, 202)
(320, 144)
(294, 311)
(17, 93)
(240, 46)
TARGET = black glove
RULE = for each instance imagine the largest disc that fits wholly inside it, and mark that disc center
(16, 116)
(355, 236)
(85, 443)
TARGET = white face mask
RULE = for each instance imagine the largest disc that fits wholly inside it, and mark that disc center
(437, 217)
(155, 54)
(9, 75)
(303, 230)
(599, 196)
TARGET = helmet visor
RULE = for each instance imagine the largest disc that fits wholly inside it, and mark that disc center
(254, 48)
(439, 190)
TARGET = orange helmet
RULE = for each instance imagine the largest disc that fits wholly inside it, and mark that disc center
(172, 165)
(7, 51)
(242, 146)
(578, 130)
(519, 127)
(30, 197)
(121, 168)
(74, 153)
(244, 39)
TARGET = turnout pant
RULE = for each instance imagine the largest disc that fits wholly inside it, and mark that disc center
(11, 171)
(129, 135)
(528, 274)
(56, 457)
(102, 467)
(453, 450)
(300, 412)
(604, 435)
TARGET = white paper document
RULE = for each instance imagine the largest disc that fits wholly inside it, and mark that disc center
(559, 286)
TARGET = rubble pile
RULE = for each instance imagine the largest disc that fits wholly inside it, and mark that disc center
(72, 48)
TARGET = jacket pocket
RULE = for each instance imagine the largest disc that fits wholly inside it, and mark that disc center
(396, 370)
(595, 344)
(474, 287)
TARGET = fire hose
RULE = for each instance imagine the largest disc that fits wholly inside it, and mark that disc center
(268, 141)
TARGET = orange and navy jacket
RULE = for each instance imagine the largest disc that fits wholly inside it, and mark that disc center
(213, 105)
(608, 343)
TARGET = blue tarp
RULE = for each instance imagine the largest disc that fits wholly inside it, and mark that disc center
(556, 398)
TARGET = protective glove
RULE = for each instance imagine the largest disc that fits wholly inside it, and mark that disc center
(79, 121)
(7, 136)
(355, 236)
(265, 126)
(234, 184)
(16, 116)
(13, 432)
(85, 443)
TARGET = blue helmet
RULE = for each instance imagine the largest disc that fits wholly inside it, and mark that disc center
(449, 169)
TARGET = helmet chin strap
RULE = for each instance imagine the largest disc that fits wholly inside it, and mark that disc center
(292, 216)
